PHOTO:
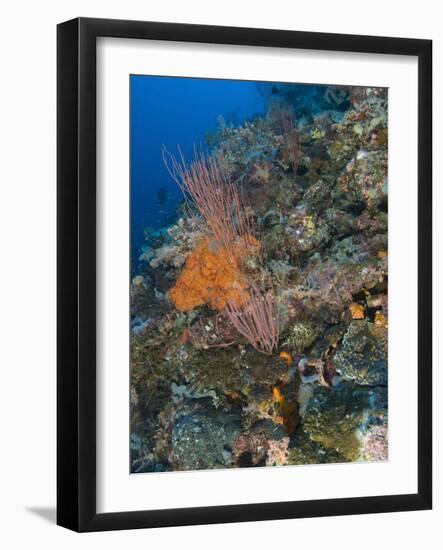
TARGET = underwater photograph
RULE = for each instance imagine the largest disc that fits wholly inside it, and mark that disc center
(259, 274)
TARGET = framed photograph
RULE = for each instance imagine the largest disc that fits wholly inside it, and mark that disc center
(244, 274)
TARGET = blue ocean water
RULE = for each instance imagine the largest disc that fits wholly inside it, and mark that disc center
(172, 112)
(177, 112)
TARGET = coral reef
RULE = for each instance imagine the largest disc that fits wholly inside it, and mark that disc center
(202, 437)
(259, 316)
(363, 354)
(338, 419)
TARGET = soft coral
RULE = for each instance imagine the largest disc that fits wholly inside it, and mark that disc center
(210, 277)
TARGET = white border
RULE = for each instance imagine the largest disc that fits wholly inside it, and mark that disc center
(116, 489)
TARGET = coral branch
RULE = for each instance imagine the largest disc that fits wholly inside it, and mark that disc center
(206, 181)
(257, 320)
(291, 135)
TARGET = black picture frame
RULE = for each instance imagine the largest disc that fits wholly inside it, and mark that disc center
(76, 264)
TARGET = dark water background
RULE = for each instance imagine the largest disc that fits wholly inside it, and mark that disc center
(173, 111)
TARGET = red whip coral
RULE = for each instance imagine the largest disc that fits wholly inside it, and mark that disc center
(209, 277)
(291, 151)
(206, 181)
(257, 319)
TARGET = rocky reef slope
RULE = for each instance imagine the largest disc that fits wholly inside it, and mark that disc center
(202, 396)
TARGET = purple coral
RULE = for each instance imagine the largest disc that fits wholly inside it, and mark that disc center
(257, 320)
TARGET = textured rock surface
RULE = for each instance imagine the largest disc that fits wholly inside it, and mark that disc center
(338, 419)
(363, 354)
(202, 437)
